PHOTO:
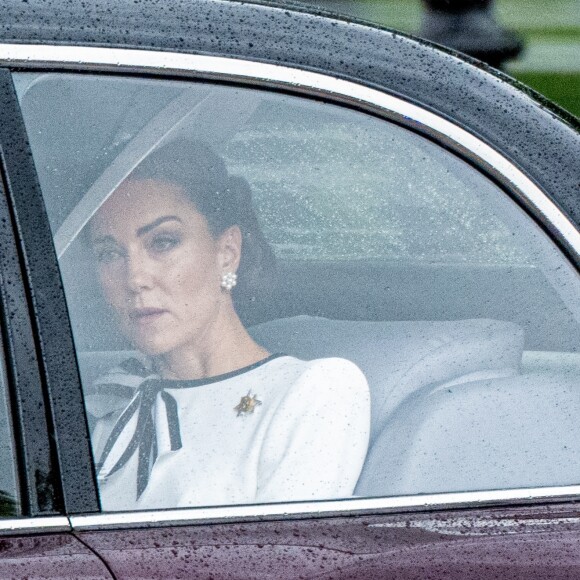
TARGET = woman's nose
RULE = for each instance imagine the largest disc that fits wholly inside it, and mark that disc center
(139, 273)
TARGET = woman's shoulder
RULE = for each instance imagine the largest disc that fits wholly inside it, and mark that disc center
(333, 365)
(332, 374)
(322, 392)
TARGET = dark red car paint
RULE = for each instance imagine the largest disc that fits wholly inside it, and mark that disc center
(57, 555)
(502, 543)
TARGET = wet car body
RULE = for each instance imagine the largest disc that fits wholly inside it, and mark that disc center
(523, 534)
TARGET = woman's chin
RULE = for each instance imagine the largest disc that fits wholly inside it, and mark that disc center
(152, 345)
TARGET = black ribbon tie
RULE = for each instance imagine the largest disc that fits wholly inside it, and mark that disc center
(144, 439)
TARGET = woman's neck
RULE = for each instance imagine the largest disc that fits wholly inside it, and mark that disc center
(223, 347)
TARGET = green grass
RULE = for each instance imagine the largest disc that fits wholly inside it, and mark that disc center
(561, 88)
(565, 34)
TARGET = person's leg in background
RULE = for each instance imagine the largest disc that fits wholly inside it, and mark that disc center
(470, 26)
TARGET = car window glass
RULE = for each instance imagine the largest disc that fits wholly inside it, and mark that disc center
(364, 254)
(9, 497)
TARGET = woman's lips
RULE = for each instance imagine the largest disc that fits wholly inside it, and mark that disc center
(144, 315)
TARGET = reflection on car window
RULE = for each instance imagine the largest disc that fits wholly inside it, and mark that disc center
(245, 271)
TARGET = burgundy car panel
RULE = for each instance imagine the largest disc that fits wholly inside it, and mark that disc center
(49, 556)
(529, 543)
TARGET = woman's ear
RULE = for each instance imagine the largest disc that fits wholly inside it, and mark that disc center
(230, 249)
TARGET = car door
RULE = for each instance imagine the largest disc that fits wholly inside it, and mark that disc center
(35, 534)
(420, 511)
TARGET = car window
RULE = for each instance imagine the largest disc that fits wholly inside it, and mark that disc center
(9, 497)
(399, 324)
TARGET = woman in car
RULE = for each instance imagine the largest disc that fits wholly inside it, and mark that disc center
(213, 418)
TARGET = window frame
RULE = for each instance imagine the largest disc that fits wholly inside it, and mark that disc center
(53, 437)
(26, 398)
(492, 163)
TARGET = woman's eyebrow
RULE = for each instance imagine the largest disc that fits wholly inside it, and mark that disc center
(102, 240)
(160, 220)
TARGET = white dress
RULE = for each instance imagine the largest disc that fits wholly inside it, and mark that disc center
(280, 430)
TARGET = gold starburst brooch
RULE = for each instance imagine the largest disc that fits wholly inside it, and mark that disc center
(247, 404)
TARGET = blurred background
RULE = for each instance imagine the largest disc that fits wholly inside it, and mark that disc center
(546, 33)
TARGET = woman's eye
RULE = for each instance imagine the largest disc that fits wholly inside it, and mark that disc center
(164, 242)
(107, 255)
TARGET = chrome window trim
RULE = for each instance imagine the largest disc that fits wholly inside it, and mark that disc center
(40, 525)
(321, 509)
(305, 82)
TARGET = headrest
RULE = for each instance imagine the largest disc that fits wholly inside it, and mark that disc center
(398, 358)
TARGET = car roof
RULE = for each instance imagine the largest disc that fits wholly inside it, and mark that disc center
(483, 101)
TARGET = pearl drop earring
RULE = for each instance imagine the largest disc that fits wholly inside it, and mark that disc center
(229, 280)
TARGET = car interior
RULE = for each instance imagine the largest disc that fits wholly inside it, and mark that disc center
(392, 251)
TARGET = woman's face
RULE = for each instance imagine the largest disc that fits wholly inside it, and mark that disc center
(159, 266)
